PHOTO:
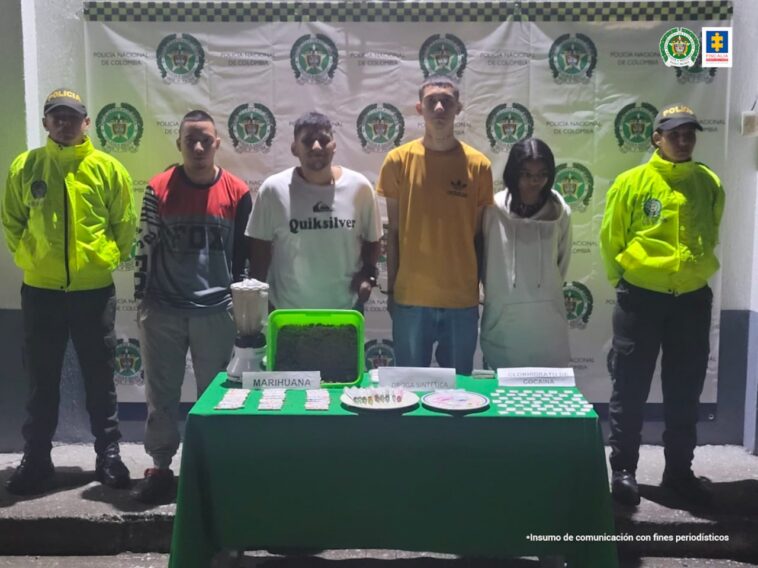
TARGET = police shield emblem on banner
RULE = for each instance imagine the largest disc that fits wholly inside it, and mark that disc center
(443, 54)
(380, 127)
(507, 124)
(314, 59)
(634, 126)
(119, 127)
(679, 47)
(252, 128)
(572, 58)
(578, 300)
(575, 183)
(180, 58)
(379, 353)
(128, 363)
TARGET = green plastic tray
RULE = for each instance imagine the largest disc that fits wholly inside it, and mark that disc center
(280, 318)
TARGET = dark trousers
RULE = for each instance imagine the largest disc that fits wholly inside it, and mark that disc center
(645, 323)
(50, 317)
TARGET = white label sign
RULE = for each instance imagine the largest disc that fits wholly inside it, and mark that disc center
(536, 377)
(417, 378)
(281, 379)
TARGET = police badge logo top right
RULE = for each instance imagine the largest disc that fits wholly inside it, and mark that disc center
(679, 47)
(683, 49)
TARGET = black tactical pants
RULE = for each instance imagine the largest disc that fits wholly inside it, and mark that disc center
(644, 324)
(50, 317)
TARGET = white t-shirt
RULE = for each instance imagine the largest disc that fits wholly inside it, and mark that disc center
(316, 232)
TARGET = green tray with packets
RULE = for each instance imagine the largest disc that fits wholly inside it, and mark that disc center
(329, 341)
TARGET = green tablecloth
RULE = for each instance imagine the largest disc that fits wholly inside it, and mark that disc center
(479, 484)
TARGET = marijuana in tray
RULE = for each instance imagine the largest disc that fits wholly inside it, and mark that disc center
(331, 349)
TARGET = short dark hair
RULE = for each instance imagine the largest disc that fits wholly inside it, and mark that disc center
(438, 81)
(196, 116)
(312, 120)
(522, 151)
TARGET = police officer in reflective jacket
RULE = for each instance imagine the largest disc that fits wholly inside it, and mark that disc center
(69, 220)
(657, 238)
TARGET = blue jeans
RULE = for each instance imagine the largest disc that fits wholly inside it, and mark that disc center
(415, 330)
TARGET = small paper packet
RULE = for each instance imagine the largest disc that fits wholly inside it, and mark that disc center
(233, 399)
(272, 399)
(270, 404)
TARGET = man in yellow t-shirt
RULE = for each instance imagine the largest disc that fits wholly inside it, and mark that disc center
(436, 189)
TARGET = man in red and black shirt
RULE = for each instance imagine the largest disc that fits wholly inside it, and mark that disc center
(191, 248)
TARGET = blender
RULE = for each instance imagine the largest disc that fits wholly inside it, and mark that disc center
(250, 309)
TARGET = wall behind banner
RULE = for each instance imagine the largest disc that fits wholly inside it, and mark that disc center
(12, 385)
(59, 40)
(577, 85)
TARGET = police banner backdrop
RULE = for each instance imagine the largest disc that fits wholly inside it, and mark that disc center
(587, 77)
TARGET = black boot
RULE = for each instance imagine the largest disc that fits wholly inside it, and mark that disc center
(33, 475)
(110, 470)
(158, 486)
(689, 487)
(624, 488)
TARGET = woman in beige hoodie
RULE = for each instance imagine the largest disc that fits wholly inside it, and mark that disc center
(527, 245)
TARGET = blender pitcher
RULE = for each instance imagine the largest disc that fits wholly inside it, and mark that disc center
(250, 309)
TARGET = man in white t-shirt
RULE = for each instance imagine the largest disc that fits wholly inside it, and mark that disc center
(315, 228)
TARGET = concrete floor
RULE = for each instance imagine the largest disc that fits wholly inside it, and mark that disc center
(62, 521)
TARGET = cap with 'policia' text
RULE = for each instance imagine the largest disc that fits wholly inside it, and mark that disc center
(65, 98)
(672, 116)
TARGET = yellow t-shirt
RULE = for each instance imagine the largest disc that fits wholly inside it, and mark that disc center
(439, 194)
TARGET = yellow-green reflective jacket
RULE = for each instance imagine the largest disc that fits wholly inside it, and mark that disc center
(68, 216)
(661, 226)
